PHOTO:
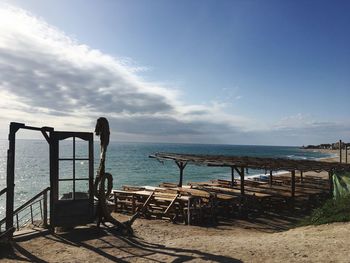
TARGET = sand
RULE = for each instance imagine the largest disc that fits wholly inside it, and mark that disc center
(268, 239)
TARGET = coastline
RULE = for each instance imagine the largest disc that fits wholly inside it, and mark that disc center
(161, 241)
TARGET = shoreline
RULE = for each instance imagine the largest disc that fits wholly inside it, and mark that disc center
(236, 240)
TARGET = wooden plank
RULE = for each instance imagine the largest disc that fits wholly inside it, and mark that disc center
(171, 204)
(270, 178)
(330, 176)
(293, 184)
(242, 180)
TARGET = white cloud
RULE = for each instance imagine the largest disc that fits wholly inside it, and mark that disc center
(48, 78)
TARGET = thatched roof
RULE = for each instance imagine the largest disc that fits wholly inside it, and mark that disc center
(274, 164)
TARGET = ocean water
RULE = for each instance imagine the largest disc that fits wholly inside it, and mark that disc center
(129, 163)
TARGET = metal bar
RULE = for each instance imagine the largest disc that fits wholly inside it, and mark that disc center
(41, 210)
(71, 159)
(31, 200)
(45, 209)
(31, 214)
(76, 179)
(3, 191)
(17, 222)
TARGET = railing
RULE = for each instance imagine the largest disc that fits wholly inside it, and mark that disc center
(3, 191)
(36, 206)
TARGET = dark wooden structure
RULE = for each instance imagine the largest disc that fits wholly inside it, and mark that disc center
(71, 209)
(240, 164)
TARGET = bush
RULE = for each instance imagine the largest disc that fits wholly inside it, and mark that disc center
(333, 210)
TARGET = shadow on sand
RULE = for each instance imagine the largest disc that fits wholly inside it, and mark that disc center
(109, 244)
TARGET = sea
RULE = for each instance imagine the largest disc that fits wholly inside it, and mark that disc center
(129, 164)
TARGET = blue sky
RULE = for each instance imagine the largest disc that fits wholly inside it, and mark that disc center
(259, 72)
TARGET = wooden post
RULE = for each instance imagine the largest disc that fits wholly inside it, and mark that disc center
(301, 176)
(340, 152)
(270, 179)
(45, 209)
(293, 183)
(346, 152)
(181, 166)
(242, 180)
(232, 176)
(189, 211)
(330, 180)
(10, 178)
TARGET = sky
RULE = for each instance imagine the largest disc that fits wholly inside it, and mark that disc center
(231, 72)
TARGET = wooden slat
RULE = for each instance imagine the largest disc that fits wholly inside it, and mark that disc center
(253, 162)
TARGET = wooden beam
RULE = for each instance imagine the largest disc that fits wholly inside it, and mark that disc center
(293, 183)
(330, 180)
(181, 166)
(346, 153)
(232, 176)
(242, 180)
(237, 170)
(340, 151)
(10, 178)
(301, 176)
(270, 179)
(171, 204)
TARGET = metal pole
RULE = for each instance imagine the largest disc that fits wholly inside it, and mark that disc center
(45, 209)
(340, 152)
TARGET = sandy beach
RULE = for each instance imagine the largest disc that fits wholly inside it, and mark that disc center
(268, 239)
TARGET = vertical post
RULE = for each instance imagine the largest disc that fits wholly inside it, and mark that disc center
(232, 176)
(301, 176)
(293, 183)
(189, 211)
(45, 209)
(31, 214)
(54, 154)
(330, 180)
(10, 178)
(346, 152)
(242, 180)
(270, 179)
(340, 151)
(181, 166)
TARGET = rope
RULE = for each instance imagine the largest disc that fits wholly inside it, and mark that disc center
(103, 215)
